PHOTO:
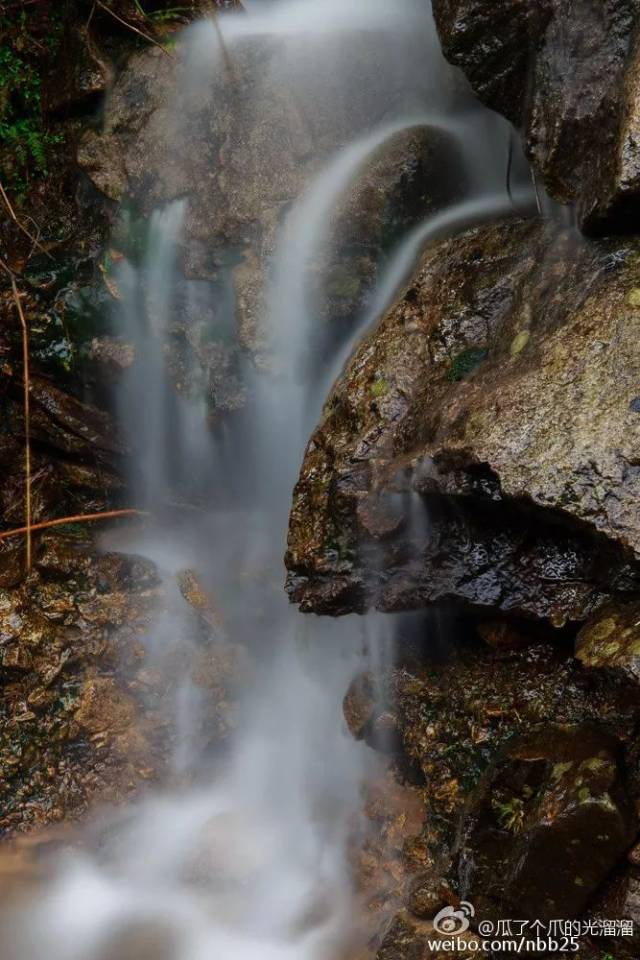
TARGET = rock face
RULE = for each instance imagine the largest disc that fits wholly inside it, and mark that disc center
(567, 72)
(482, 442)
(241, 161)
(552, 820)
(525, 766)
(85, 710)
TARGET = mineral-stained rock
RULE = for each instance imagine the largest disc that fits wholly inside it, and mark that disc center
(72, 731)
(482, 442)
(568, 74)
(611, 641)
(550, 822)
(111, 356)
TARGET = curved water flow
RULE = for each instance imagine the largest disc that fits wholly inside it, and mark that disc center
(469, 213)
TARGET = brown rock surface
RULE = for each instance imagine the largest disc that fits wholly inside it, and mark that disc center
(482, 442)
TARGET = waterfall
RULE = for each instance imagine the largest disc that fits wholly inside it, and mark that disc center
(245, 856)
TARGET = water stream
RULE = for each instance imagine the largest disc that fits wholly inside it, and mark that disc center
(244, 857)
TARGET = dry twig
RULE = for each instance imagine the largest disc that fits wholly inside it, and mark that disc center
(80, 518)
(130, 26)
(27, 419)
(21, 226)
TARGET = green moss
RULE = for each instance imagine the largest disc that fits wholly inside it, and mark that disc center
(379, 388)
(520, 342)
(466, 362)
(633, 297)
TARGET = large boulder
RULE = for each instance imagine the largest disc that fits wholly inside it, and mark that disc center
(567, 73)
(481, 444)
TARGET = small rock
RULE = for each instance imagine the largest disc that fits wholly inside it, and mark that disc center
(359, 704)
(16, 658)
(112, 354)
(428, 895)
(196, 596)
(104, 707)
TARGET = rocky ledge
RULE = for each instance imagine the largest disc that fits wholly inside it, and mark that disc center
(482, 442)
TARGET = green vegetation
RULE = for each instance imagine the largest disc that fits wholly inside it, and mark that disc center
(25, 138)
(161, 16)
(379, 388)
(510, 814)
(466, 362)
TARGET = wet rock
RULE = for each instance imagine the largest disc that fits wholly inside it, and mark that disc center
(509, 481)
(391, 855)
(610, 640)
(102, 706)
(73, 729)
(359, 705)
(68, 424)
(428, 895)
(619, 901)
(455, 719)
(198, 598)
(408, 939)
(242, 164)
(112, 356)
(76, 456)
(551, 820)
(568, 75)
(503, 635)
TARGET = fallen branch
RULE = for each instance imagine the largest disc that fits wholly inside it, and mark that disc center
(21, 226)
(80, 518)
(130, 26)
(27, 418)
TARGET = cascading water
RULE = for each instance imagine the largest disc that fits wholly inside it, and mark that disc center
(245, 856)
